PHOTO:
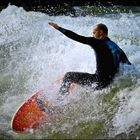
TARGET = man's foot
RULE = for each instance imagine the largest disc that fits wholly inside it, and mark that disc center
(61, 96)
(44, 106)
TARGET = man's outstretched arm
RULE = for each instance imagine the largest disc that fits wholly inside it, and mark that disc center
(72, 35)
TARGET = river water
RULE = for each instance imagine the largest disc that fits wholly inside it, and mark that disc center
(33, 55)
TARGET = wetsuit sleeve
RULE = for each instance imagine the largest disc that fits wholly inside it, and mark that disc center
(124, 59)
(76, 37)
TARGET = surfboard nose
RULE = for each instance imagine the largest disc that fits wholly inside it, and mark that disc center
(28, 116)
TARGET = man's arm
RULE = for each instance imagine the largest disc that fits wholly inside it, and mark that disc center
(72, 35)
(124, 58)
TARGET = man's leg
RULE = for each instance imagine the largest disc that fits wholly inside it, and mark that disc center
(78, 78)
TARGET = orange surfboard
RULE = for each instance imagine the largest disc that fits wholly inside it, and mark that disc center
(29, 115)
(33, 112)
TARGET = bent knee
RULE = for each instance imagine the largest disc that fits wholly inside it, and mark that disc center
(68, 74)
(71, 76)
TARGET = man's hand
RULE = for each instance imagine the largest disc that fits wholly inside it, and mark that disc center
(53, 25)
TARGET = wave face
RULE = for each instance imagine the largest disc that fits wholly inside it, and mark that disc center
(33, 55)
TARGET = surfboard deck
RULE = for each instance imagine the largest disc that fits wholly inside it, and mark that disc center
(33, 113)
(29, 115)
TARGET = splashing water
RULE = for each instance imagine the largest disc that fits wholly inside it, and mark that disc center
(33, 55)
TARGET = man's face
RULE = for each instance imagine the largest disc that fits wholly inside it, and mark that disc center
(97, 33)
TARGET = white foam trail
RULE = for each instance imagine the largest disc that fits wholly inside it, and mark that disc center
(127, 118)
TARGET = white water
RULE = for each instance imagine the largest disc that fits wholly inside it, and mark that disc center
(33, 55)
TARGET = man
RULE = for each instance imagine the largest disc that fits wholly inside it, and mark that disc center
(108, 57)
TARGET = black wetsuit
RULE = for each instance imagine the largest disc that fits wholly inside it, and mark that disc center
(108, 57)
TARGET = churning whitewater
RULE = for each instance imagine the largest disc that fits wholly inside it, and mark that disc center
(33, 55)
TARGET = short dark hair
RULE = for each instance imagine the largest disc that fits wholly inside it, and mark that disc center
(103, 27)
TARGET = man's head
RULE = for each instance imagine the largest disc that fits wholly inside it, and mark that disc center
(100, 31)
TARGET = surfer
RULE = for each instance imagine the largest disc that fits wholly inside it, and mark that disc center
(108, 58)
